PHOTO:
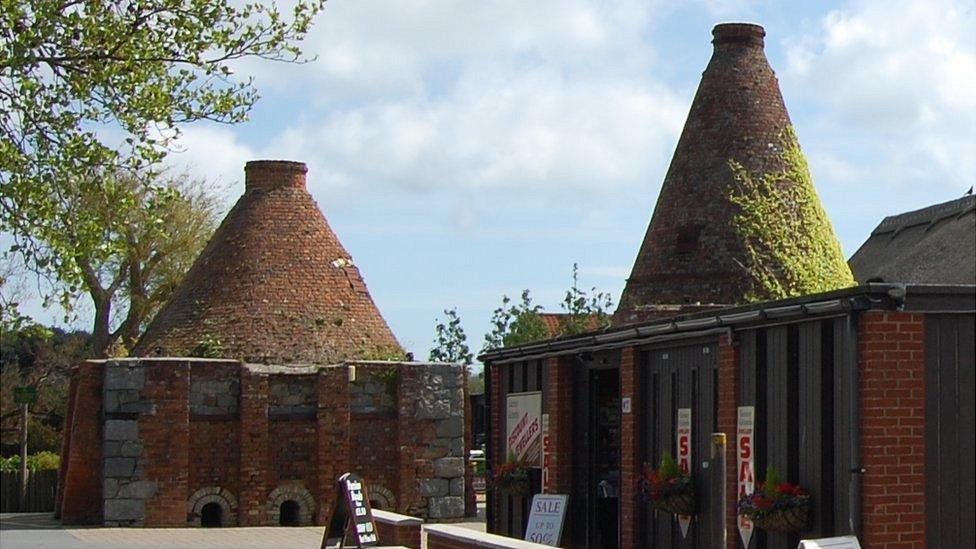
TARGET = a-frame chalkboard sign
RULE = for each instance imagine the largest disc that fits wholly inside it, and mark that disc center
(351, 516)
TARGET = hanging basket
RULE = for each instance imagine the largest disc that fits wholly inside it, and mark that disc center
(679, 503)
(786, 521)
(513, 485)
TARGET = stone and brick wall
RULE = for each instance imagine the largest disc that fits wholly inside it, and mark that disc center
(431, 441)
(177, 434)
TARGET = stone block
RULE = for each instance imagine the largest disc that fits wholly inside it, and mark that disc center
(141, 407)
(457, 486)
(124, 375)
(130, 449)
(450, 428)
(110, 488)
(434, 487)
(124, 510)
(449, 467)
(140, 489)
(430, 408)
(445, 508)
(111, 449)
(457, 447)
(119, 467)
(111, 402)
(121, 429)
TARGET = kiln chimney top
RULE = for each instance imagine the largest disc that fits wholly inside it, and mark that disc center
(273, 174)
(738, 33)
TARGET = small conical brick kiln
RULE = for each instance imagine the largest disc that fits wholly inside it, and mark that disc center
(273, 285)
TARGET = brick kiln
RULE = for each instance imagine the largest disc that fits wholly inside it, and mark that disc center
(691, 257)
(259, 436)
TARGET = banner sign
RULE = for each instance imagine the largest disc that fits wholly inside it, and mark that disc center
(546, 453)
(684, 457)
(546, 519)
(745, 465)
(524, 427)
(351, 516)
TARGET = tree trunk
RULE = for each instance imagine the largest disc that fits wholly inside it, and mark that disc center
(101, 337)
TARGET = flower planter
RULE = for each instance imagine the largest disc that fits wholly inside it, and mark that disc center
(678, 503)
(786, 521)
(518, 486)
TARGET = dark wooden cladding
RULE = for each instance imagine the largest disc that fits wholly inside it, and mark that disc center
(796, 377)
(518, 377)
(679, 377)
(949, 430)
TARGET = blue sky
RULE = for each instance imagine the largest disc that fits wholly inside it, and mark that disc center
(465, 150)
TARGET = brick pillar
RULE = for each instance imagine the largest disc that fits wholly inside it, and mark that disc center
(728, 402)
(254, 448)
(82, 499)
(629, 466)
(892, 431)
(559, 395)
(66, 442)
(332, 435)
(496, 454)
(164, 431)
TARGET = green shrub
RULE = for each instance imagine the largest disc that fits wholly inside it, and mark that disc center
(41, 461)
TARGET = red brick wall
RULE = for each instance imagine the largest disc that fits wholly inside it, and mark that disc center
(292, 452)
(332, 437)
(82, 499)
(435, 541)
(728, 402)
(407, 535)
(892, 385)
(559, 406)
(66, 442)
(629, 466)
(254, 458)
(165, 437)
(215, 454)
(496, 456)
(378, 466)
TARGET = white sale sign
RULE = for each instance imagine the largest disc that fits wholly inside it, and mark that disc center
(684, 457)
(745, 464)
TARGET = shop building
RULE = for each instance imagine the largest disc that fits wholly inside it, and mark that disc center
(864, 396)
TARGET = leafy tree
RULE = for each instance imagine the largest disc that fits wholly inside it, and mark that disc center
(139, 234)
(584, 311)
(515, 324)
(12, 290)
(41, 357)
(96, 87)
(450, 341)
(450, 345)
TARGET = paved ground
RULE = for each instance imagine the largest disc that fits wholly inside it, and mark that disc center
(40, 530)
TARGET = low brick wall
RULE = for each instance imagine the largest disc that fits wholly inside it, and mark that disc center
(394, 529)
(443, 536)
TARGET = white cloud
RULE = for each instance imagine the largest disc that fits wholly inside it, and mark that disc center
(502, 128)
(491, 95)
(211, 152)
(902, 73)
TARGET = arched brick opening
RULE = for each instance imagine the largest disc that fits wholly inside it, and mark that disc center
(295, 492)
(212, 494)
(381, 498)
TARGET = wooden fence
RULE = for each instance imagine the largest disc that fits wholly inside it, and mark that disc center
(41, 487)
